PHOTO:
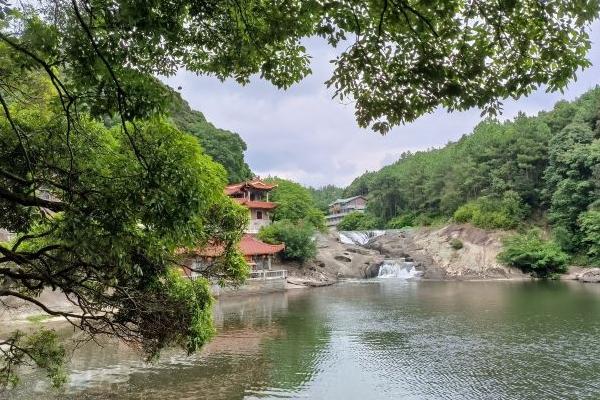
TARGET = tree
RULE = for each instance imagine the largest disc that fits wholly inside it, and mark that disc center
(100, 222)
(297, 236)
(295, 203)
(590, 226)
(542, 169)
(226, 148)
(574, 156)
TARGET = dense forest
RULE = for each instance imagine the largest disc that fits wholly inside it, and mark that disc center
(539, 170)
(225, 147)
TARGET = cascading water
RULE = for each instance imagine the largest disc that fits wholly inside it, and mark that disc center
(359, 237)
(398, 269)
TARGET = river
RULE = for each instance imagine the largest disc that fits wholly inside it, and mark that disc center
(375, 339)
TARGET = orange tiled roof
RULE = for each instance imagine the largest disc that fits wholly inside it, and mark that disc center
(255, 184)
(249, 246)
(231, 189)
(265, 205)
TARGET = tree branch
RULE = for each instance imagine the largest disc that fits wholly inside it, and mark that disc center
(28, 201)
(4, 293)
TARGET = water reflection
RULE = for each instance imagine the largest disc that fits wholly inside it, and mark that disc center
(244, 358)
(369, 340)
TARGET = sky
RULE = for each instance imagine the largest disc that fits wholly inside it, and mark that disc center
(304, 135)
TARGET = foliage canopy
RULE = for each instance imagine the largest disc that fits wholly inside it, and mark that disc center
(402, 59)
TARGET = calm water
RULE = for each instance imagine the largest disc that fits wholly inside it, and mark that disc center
(370, 340)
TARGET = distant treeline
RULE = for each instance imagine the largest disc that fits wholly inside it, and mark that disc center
(542, 170)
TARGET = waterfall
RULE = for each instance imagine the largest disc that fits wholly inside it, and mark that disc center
(398, 269)
(359, 237)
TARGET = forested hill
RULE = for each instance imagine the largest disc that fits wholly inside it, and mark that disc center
(543, 169)
(223, 146)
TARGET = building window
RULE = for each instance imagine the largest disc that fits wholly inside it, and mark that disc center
(259, 215)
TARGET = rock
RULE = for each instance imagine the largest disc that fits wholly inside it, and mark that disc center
(428, 247)
(372, 270)
(343, 258)
(591, 275)
(358, 250)
(573, 273)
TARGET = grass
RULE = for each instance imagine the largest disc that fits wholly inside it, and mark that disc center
(37, 318)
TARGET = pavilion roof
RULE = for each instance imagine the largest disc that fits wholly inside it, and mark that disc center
(249, 246)
(264, 205)
(254, 184)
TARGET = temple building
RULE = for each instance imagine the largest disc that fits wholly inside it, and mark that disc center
(254, 195)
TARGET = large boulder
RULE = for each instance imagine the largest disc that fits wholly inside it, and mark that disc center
(346, 260)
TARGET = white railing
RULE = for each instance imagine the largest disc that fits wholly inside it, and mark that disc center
(254, 275)
(268, 274)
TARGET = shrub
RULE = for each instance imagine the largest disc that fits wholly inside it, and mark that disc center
(357, 221)
(492, 213)
(465, 213)
(532, 254)
(423, 220)
(297, 236)
(456, 244)
(401, 221)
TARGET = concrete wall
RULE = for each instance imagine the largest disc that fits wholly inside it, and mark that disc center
(251, 287)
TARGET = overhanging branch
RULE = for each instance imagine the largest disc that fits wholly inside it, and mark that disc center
(29, 201)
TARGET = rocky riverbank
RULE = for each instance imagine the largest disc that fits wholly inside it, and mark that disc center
(454, 252)
(433, 250)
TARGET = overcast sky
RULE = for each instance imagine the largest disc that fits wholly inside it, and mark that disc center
(305, 135)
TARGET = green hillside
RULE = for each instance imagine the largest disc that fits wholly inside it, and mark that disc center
(542, 170)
